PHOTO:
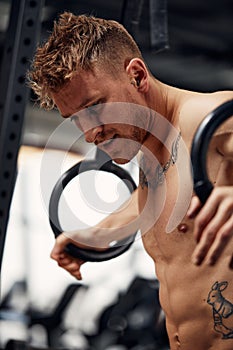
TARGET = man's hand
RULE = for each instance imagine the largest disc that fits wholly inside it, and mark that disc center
(213, 224)
(115, 226)
(67, 262)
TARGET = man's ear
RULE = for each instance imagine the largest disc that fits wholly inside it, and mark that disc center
(138, 74)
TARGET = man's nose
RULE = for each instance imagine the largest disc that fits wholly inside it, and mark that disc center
(93, 134)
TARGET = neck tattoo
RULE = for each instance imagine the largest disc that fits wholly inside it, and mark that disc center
(160, 170)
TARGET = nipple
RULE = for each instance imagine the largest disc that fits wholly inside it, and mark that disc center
(182, 228)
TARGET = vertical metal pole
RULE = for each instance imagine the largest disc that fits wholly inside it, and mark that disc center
(131, 15)
(21, 36)
(158, 24)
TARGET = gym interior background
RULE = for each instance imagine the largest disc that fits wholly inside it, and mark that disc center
(187, 44)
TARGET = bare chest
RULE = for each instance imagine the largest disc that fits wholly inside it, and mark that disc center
(163, 209)
(166, 230)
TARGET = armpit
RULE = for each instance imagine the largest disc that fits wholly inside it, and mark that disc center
(225, 173)
(224, 143)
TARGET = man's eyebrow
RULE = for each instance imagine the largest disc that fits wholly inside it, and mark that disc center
(83, 105)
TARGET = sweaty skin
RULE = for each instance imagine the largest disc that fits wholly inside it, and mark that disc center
(193, 320)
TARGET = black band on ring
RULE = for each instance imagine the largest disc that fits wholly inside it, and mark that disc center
(201, 140)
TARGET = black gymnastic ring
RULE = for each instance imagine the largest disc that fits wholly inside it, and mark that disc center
(201, 140)
(83, 166)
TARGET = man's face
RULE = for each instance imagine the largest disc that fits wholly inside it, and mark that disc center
(107, 110)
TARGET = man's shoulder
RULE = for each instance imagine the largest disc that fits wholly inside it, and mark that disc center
(196, 106)
(200, 104)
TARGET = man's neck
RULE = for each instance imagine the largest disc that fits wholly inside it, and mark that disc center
(164, 121)
(164, 99)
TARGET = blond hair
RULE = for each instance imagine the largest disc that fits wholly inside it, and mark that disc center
(78, 43)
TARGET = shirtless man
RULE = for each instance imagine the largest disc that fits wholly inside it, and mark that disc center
(88, 62)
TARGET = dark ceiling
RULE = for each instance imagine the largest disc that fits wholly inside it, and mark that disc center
(199, 36)
(192, 43)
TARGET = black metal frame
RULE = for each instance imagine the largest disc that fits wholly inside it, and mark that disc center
(20, 42)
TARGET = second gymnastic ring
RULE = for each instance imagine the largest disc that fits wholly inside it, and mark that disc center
(201, 140)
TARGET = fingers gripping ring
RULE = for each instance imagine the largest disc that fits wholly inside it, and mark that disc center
(201, 140)
(83, 166)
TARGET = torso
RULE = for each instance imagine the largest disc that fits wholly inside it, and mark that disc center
(184, 287)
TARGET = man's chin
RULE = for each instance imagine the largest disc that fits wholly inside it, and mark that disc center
(118, 160)
(121, 160)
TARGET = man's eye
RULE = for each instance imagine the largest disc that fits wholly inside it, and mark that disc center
(86, 116)
(94, 109)
(75, 120)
